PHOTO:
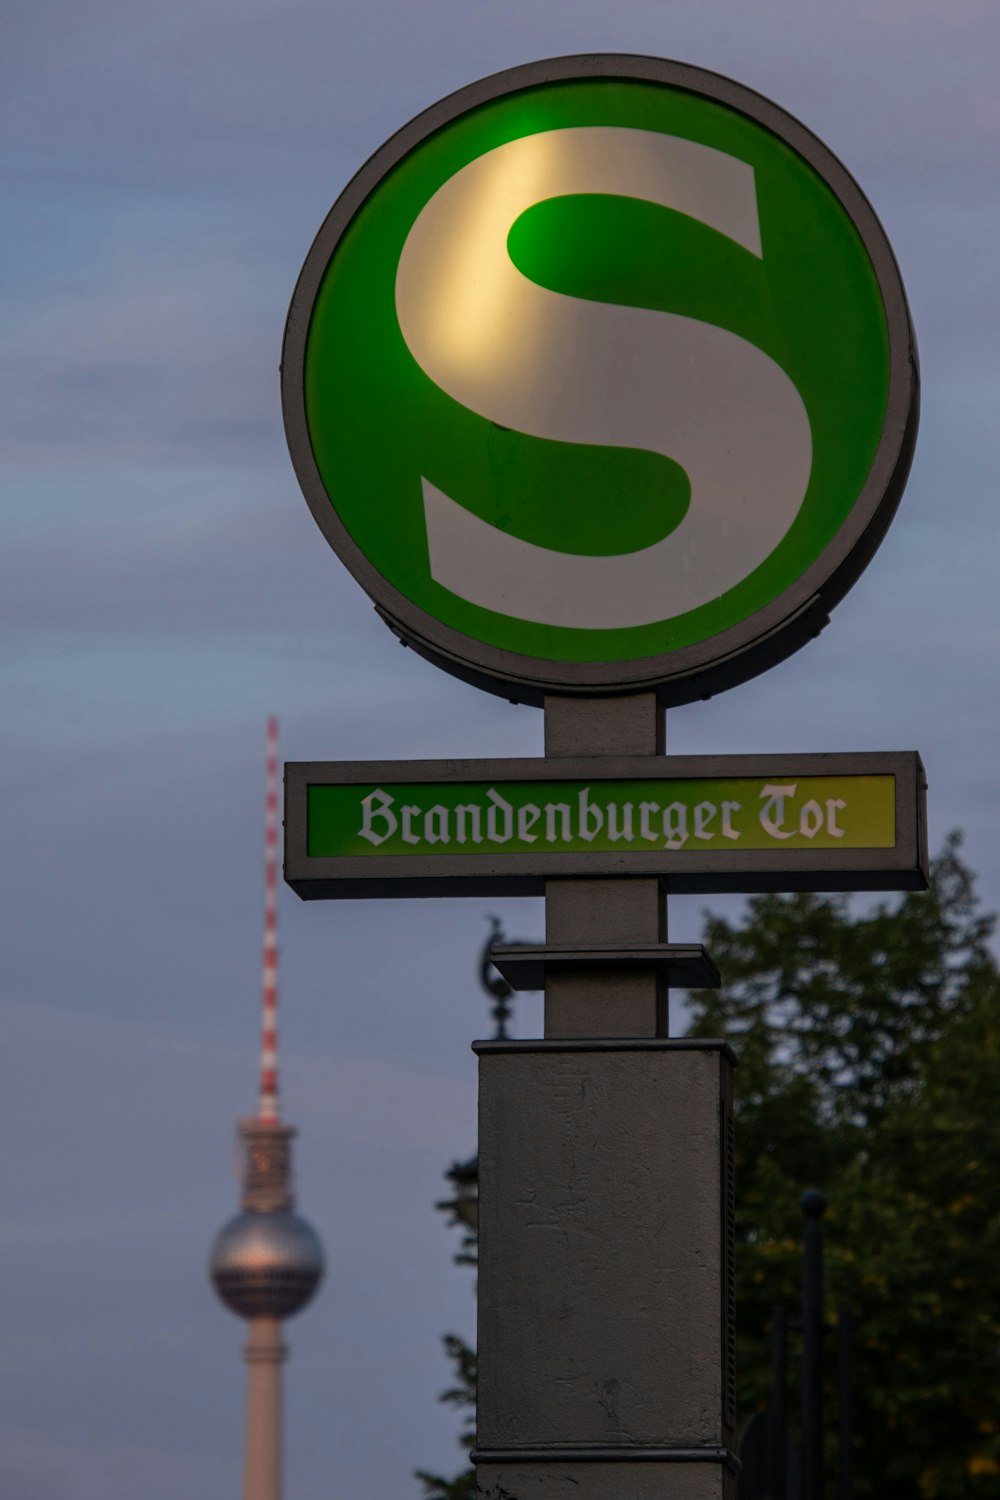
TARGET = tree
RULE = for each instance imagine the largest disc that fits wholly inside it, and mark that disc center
(462, 1212)
(869, 1043)
(462, 1395)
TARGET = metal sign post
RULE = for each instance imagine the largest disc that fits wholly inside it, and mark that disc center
(605, 1271)
(600, 379)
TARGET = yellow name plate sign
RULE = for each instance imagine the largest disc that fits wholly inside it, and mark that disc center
(724, 823)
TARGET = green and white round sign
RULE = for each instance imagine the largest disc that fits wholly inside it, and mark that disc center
(600, 376)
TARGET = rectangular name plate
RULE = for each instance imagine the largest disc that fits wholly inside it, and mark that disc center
(699, 823)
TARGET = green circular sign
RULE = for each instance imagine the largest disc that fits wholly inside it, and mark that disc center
(600, 376)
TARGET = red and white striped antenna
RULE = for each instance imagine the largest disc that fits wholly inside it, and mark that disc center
(267, 1111)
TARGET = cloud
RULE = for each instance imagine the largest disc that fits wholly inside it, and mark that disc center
(144, 364)
(34, 1465)
(206, 92)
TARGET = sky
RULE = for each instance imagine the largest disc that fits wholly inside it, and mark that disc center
(164, 168)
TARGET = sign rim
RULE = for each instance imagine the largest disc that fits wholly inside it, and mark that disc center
(760, 640)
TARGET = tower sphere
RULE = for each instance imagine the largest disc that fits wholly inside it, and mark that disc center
(266, 1264)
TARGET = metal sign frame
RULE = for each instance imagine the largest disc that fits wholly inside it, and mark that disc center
(759, 641)
(495, 873)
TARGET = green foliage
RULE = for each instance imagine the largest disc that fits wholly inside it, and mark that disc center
(462, 1487)
(463, 1180)
(463, 1396)
(869, 1045)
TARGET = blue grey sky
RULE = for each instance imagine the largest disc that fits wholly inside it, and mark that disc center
(164, 170)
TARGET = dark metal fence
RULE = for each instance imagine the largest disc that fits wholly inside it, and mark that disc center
(775, 1465)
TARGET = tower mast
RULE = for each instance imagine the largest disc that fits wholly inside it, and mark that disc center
(267, 1262)
(267, 1111)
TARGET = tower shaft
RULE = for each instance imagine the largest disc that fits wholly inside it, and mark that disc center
(265, 1353)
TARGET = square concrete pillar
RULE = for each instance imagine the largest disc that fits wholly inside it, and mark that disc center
(605, 1272)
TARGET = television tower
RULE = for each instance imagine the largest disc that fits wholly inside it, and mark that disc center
(266, 1262)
